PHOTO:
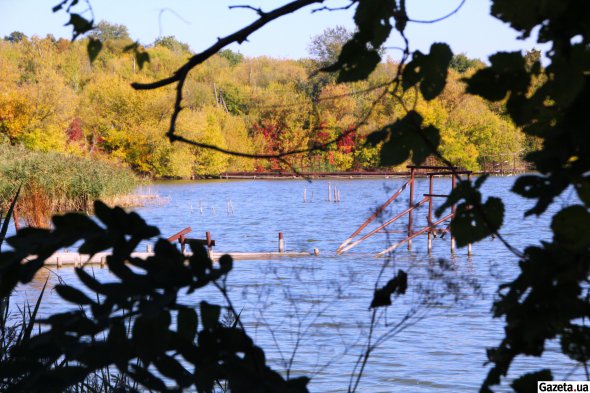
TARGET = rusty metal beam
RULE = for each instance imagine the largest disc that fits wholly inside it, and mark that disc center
(431, 167)
(389, 222)
(373, 216)
(179, 235)
(428, 228)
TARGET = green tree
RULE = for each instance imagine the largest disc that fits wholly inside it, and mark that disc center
(106, 31)
(234, 58)
(461, 63)
(326, 47)
(15, 36)
(173, 44)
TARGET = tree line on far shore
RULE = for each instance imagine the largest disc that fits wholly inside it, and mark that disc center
(56, 100)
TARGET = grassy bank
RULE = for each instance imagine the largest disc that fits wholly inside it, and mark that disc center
(55, 182)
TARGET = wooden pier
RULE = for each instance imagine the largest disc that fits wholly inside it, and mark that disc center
(60, 259)
(66, 258)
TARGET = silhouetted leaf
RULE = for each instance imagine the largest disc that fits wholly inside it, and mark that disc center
(59, 6)
(429, 70)
(408, 138)
(142, 58)
(397, 285)
(209, 315)
(542, 188)
(298, 385)
(8, 217)
(583, 189)
(187, 323)
(88, 280)
(225, 263)
(150, 335)
(575, 343)
(473, 219)
(570, 227)
(377, 137)
(104, 213)
(72, 294)
(60, 378)
(360, 56)
(355, 62)
(32, 318)
(471, 225)
(80, 25)
(95, 244)
(507, 73)
(93, 47)
(147, 379)
(528, 382)
(171, 368)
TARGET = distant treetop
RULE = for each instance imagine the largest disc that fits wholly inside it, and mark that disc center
(462, 63)
(325, 47)
(15, 36)
(106, 31)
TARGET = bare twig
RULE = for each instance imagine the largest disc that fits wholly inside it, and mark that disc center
(442, 17)
(179, 77)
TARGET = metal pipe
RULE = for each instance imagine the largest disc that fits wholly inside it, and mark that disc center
(373, 216)
(430, 227)
(397, 217)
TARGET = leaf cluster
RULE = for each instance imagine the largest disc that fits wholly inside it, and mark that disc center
(134, 323)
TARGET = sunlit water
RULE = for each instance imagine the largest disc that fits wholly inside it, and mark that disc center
(311, 315)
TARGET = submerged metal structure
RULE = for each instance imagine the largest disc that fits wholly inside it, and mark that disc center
(431, 229)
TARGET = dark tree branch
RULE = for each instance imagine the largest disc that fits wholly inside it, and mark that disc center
(179, 77)
(326, 8)
(248, 7)
(442, 17)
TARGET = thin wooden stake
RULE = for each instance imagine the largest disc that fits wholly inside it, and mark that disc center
(281, 242)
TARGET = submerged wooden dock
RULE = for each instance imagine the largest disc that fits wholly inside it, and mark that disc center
(76, 259)
(66, 258)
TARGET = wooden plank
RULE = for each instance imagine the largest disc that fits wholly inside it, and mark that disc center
(76, 259)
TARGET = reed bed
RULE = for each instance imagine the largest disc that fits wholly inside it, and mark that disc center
(55, 182)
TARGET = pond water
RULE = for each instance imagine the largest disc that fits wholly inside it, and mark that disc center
(311, 315)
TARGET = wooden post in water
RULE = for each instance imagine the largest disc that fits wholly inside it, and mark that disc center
(411, 203)
(281, 242)
(209, 245)
(305, 195)
(182, 244)
(329, 192)
(430, 191)
(453, 185)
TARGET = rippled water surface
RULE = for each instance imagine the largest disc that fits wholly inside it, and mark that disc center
(311, 314)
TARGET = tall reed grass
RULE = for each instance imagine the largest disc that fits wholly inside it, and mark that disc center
(55, 182)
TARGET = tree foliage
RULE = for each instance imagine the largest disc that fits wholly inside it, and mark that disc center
(247, 95)
(136, 322)
(548, 299)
